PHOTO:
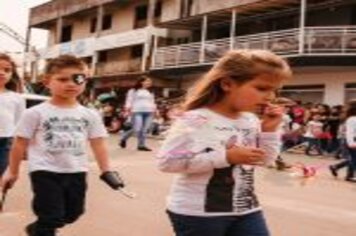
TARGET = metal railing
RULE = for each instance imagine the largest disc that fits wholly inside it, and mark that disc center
(118, 67)
(318, 41)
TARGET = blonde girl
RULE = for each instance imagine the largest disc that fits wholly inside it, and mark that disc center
(216, 144)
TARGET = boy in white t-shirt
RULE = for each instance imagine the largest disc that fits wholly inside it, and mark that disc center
(55, 135)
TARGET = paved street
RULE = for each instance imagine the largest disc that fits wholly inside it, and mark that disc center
(321, 207)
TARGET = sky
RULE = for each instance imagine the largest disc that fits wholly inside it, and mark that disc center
(15, 13)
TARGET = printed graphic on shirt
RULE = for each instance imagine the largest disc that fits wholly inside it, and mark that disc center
(244, 197)
(223, 194)
(67, 134)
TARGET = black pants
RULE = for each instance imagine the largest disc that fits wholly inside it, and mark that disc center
(5, 144)
(59, 199)
(352, 163)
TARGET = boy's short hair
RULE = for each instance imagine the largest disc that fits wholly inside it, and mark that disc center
(63, 62)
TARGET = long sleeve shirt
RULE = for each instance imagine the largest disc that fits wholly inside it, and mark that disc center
(12, 105)
(206, 184)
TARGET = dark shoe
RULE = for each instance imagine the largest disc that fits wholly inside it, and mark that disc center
(122, 144)
(29, 230)
(349, 179)
(333, 171)
(32, 231)
(282, 165)
(145, 149)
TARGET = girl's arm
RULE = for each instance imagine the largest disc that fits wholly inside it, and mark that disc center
(129, 99)
(17, 154)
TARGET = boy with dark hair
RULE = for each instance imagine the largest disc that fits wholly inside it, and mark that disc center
(54, 135)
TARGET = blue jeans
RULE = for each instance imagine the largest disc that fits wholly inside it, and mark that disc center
(5, 144)
(141, 123)
(313, 143)
(252, 224)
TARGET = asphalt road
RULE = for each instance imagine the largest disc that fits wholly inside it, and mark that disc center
(322, 206)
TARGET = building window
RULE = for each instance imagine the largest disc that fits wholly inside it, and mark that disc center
(182, 40)
(350, 91)
(66, 35)
(93, 23)
(304, 93)
(107, 22)
(136, 51)
(103, 56)
(141, 16)
(158, 10)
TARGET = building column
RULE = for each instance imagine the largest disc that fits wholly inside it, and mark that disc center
(233, 29)
(151, 12)
(203, 38)
(303, 5)
(149, 34)
(154, 51)
(59, 29)
(99, 21)
(26, 59)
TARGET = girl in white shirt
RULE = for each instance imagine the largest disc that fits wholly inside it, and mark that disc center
(140, 105)
(215, 145)
(11, 106)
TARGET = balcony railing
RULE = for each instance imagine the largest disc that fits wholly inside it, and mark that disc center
(318, 41)
(87, 46)
(118, 67)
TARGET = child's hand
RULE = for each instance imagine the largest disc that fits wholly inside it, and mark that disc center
(245, 156)
(272, 118)
(8, 180)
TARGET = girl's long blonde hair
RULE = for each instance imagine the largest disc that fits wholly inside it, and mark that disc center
(240, 66)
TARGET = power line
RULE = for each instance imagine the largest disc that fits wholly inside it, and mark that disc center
(12, 33)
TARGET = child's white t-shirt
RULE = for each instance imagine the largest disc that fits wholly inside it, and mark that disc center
(59, 137)
(12, 105)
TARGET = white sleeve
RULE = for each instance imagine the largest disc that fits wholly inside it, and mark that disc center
(96, 126)
(154, 101)
(28, 124)
(351, 132)
(190, 149)
(129, 98)
(20, 108)
(271, 143)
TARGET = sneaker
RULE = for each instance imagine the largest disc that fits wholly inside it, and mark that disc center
(333, 171)
(122, 144)
(282, 165)
(145, 149)
(350, 179)
(29, 230)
